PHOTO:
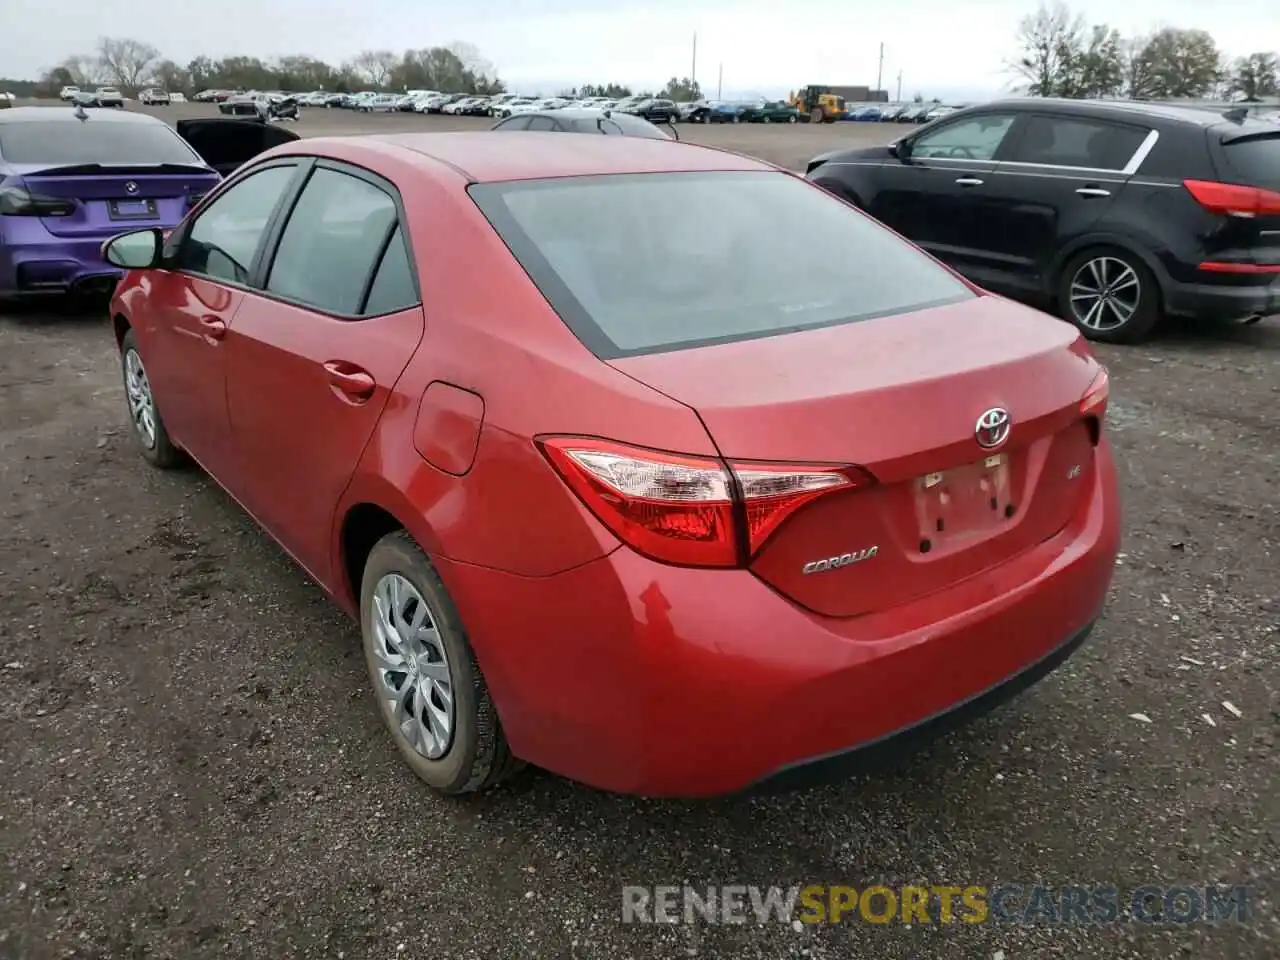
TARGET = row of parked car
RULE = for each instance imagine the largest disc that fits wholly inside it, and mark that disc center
(653, 109)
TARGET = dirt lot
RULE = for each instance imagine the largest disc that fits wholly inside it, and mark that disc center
(193, 768)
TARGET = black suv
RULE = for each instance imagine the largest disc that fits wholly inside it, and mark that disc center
(655, 111)
(1117, 212)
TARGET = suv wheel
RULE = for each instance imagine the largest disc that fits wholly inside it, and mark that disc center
(1110, 295)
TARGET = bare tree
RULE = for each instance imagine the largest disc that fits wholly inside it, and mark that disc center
(1101, 64)
(375, 66)
(468, 55)
(1256, 76)
(1177, 63)
(126, 61)
(1049, 48)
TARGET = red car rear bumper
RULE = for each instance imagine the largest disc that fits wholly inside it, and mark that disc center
(638, 677)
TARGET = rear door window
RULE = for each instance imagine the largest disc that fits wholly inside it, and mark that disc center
(393, 288)
(1077, 142)
(1255, 160)
(541, 123)
(333, 239)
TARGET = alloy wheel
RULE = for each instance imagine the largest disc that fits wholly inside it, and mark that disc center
(413, 673)
(142, 405)
(1105, 293)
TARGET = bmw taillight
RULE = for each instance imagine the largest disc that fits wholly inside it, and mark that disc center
(690, 510)
(17, 202)
(1234, 200)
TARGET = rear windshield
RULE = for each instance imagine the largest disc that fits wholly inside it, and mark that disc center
(59, 143)
(653, 262)
(1255, 160)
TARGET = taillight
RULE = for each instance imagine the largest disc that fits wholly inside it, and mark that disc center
(1094, 404)
(689, 510)
(17, 202)
(1234, 200)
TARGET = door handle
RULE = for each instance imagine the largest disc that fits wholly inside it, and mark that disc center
(215, 328)
(969, 182)
(351, 381)
(1093, 192)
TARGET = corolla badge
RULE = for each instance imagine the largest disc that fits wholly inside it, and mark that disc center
(993, 427)
(843, 560)
(130, 187)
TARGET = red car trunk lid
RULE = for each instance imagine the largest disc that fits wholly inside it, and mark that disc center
(901, 397)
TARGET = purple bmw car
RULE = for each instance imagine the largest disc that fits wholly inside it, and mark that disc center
(71, 179)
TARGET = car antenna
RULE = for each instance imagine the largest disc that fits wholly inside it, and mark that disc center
(1237, 114)
(80, 113)
(672, 124)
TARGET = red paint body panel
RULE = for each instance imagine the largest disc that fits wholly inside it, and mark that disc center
(447, 431)
(606, 666)
(673, 670)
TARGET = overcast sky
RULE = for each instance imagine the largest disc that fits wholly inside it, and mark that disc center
(944, 48)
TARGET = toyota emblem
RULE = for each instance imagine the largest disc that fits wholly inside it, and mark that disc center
(130, 187)
(993, 428)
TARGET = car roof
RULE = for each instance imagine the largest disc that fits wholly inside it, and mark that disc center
(68, 115)
(481, 157)
(1201, 116)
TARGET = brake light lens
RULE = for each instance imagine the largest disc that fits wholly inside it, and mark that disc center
(1234, 200)
(1094, 404)
(688, 510)
(17, 202)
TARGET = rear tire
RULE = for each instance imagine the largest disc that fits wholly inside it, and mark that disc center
(144, 414)
(1110, 295)
(475, 755)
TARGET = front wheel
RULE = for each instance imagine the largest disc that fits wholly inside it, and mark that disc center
(792, 118)
(429, 689)
(1110, 295)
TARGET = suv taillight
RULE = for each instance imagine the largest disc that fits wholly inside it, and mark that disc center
(688, 510)
(17, 202)
(1234, 200)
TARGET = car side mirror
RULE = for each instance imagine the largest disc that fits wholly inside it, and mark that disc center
(900, 149)
(136, 250)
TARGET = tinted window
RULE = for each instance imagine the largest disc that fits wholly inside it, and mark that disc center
(1074, 142)
(92, 141)
(392, 288)
(599, 125)
(224, 238)
(332, 240)
(515, 123)
(974, 138)
(541, 123)
(1256, 160)
(643, 263)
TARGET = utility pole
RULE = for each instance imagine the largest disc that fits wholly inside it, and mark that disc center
(899, 97)
(693, 72)
(880, 69)
(720, 84)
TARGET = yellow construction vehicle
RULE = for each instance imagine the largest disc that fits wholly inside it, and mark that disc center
(821, 105)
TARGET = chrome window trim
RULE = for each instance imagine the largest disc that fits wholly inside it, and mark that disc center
(1128, 170)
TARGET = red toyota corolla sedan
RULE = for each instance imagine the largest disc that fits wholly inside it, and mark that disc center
(647, 463)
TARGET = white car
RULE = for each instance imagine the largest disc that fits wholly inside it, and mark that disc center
(177, 98)
(512, 107)
(154, 97)
(68, 93)
(937, 113)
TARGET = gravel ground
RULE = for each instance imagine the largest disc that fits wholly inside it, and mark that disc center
(193, 767)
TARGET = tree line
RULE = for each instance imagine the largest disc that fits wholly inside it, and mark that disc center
(132, 65)
(455, 68)
(1060, 55)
